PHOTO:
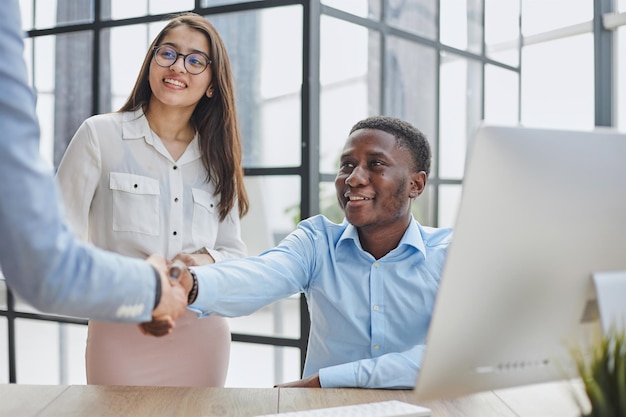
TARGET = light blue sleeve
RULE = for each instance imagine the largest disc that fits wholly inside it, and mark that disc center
(41, 260)
(238, 287)
(389, 371)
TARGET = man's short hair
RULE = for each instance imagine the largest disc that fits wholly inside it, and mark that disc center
(407, 137)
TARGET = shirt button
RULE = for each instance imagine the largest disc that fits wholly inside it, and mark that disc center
(176, 200)
(175, 168)
(375, 308)
(376, 264)
(376, 347)
(135, 186)
(175, 233)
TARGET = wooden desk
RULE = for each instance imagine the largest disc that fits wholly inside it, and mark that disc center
(100, 401)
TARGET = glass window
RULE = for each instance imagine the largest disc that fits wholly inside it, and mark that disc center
(362, 8)
(123, 9)
(37, 362)
(415, 16)
(274, 210)
(262, 366)
(212, 3)
(123, 49)
(424, 207)
(269, 84)
(501, 95)
(502, 31)
(410, 85)
(545, 15)
(449, 200)
(620, 66)
(329, 205)
(4, 346)
(350, 79)
(461, 24)
(63, 82)
(52, 13)
(49, 352)
(460, 102)
(558, 83)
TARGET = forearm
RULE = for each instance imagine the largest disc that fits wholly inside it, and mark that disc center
(390, 371)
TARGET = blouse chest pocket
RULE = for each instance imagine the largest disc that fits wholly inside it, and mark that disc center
(205, 218)
(135, 203)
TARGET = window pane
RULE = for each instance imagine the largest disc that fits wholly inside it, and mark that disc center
(123, 9)
(262, 366)
(621, 78)
(415, 16)
(501, 95)
(362, 8)
(49, 353)
(423, 207)
(211, 3)
(4, 345)
(124, 49)
(349, 77)
(502, 31)
(329, 205)
(37, 346)
(543, 15)
(449, 200)
(274, 211)
(410, 89)
(63, 81)
(267, 60)
(52, 13)
(461, 24)
(558, 83)
(460, 111)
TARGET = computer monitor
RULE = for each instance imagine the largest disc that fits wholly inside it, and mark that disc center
(541, 211)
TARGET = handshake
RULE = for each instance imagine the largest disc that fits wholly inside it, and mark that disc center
(176, 286)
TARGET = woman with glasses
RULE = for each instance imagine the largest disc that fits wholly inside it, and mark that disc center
(163, 175)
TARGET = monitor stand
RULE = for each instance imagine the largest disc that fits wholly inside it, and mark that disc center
(610, 289)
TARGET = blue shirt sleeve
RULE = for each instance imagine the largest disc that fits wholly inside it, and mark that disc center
(390, 371)
(41, 259)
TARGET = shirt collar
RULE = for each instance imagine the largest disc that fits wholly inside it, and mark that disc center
(135, 126)
(412, 237)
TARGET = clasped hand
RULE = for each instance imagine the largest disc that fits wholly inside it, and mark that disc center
(173, 302)
(174, 294)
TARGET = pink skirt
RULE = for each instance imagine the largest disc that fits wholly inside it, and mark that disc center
(196, 353)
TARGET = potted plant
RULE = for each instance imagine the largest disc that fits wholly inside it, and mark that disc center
(603, 374)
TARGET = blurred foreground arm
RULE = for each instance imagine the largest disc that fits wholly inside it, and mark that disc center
(41, 259)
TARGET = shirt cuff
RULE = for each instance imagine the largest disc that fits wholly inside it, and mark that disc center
(206, 294)
(338, 376)
(157, 288)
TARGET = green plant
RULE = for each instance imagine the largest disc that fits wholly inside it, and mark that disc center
(603, 373)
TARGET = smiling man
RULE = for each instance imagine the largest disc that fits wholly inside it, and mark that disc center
(370, 282)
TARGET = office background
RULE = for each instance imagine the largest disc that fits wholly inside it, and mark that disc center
(306, 71)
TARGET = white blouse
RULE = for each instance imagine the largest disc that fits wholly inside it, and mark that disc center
(124, 192)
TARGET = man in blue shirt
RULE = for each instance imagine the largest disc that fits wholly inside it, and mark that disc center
(370, 282)
(40, 258)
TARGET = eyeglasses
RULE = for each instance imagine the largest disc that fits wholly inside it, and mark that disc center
(195, 63)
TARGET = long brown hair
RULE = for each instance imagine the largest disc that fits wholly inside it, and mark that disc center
(215, 119)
